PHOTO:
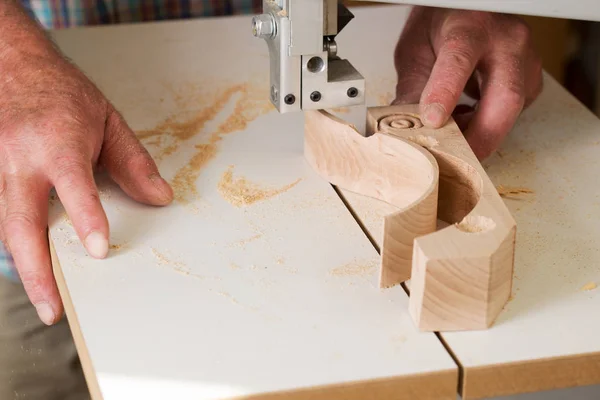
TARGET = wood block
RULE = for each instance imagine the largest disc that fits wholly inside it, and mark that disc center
(378, 166)
(461, 275)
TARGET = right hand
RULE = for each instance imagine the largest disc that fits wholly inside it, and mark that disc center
(55, 129)
(444, 52)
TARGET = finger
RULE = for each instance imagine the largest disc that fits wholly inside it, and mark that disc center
(24, 225)
(502, 100)
(534, 79)
(130, 165)
(74, 182)
(413, 58)
(459, 49)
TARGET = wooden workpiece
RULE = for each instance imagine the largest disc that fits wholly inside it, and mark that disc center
(160, 324)
(384, 167)
(461, 274)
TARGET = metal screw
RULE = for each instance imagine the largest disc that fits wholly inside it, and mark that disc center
(315, 96)
(352, 92)
(289, 99)
(263, 26)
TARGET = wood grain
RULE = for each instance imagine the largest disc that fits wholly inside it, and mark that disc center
(385, 168)
(462, 274)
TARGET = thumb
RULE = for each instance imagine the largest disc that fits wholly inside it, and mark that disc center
(130, 165)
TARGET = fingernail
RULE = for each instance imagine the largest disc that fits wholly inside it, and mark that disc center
(163, 187)
(434, 115)
(45, 312)
(96, 244)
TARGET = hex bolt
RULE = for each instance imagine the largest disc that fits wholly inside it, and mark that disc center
(263, 26)
(352, 92)
(289, 99)
(315, 96)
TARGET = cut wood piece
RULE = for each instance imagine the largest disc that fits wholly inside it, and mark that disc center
(387, 168)
(462, 274)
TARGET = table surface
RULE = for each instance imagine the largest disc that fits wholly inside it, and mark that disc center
(210, 298)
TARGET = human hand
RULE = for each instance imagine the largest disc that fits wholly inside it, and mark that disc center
(490, 57)
(55, 129)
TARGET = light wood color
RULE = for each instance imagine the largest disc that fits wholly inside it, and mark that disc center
(461, 275)
(378, 166)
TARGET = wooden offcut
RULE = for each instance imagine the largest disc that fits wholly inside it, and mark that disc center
(461, 275)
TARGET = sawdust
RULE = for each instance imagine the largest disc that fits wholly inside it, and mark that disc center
(240, 192)
(244, 242)
(118, 247)
(169, 135)
(354, 269)
(66, 219)
(589, 286)
(425, 141)
(162, 259)
(175, 266)
(341, 110)
(476, 224)
(513, 192)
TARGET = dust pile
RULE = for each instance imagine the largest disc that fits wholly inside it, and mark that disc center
(171, 134)
(241, 192)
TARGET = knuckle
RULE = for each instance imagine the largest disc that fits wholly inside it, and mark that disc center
(461, 58)
(35, 284)
(444, 93)
(520, 33)
(68, 166)
(18, 220)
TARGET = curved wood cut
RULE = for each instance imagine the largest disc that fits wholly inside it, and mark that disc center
(387, 168)
(462, 274)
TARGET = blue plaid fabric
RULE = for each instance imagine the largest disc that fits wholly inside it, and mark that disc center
(7, 266)
(58, 14)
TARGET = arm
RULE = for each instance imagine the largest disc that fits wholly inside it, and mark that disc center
(55, 129)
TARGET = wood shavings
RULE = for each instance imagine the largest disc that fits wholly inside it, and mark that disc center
(513, 192)
(588, 286)
(425, 141)
(240, 192)
(341, 110)
(354, 269)
(172, 133)
(476, 224)
(162, 259)
(244, 242)
(176, 266)
(117, 247)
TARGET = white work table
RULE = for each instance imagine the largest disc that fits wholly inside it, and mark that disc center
(211, 299)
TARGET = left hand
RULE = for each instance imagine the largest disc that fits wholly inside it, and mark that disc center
(443, 53)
